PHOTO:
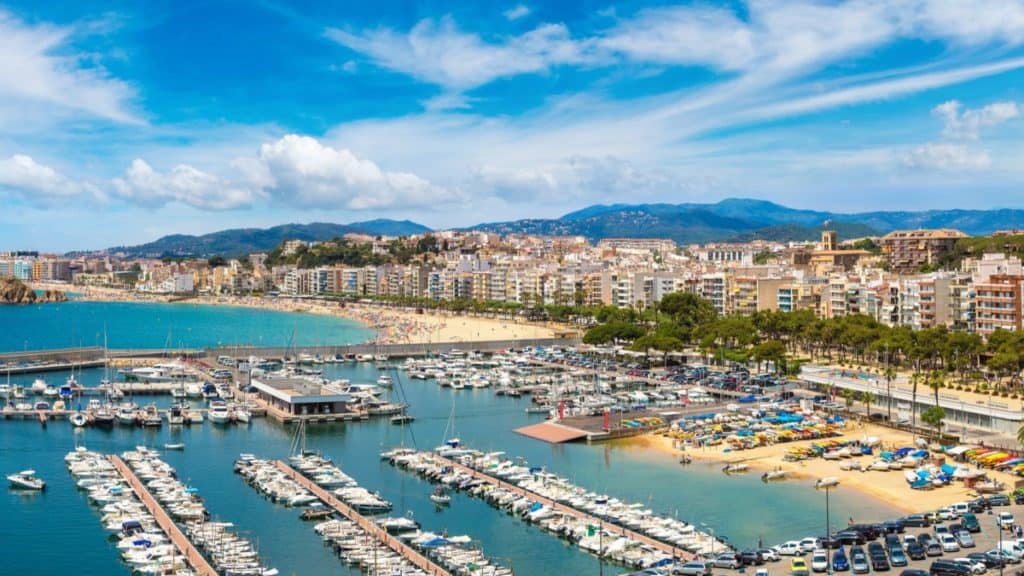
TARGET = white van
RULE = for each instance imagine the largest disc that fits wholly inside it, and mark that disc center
(1012, 548)
(961, 508)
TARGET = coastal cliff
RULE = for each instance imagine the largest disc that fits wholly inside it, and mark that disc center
(14, 291)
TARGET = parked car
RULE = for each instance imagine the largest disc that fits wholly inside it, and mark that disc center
(914, 572)
(809, 544)
(791, 548)
(859, 561)
(850, 537)
(769, 554)
(970, 523)
(751, 558)
(798, 567)
(839, 561)
(948, 568)
(963, 537)
(916, 521)
(916, 551)
(949, 543)
(894, 526)
(879, 563)
(934, 548)
(819, 560)
(974, 567)
(998, 500)
(989, 561)
(946, 513)
(727, 561)
(1005, 519)
(897, 557)
(695, 568)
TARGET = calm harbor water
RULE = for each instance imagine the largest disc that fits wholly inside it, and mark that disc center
(58, 532)
(155, 325)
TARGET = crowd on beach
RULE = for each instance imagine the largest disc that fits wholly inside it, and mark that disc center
(392, 325)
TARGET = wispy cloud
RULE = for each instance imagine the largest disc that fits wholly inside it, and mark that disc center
(967, 124)
(516, 12)
(40, 72)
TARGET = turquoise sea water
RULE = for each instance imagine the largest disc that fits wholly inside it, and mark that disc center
(152, 325)
(58, 532)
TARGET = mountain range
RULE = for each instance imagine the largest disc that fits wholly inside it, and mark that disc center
(241, 241)
(734, 219)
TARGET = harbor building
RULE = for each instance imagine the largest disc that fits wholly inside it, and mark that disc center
(300, 397)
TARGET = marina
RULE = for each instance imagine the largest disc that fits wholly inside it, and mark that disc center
(635, 536)
(367, 526)
(483, 416)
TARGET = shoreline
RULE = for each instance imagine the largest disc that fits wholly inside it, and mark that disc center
(391, 326)
(890, 488)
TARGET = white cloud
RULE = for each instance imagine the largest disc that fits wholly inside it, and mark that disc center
(686, 35)
(516, 12)
(300, 171)
(37, 183)
(39, 71)
(437, 52)
(946, 156)
(967, 124)
(143, 185)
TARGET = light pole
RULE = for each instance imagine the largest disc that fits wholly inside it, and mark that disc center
(827, 484)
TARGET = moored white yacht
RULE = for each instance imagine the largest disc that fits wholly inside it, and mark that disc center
(26, 480)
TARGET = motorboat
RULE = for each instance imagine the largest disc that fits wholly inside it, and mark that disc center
(50, 392)
(385, 381)
(737, 468)
(402, 419)
(440, 498)
(103, 416)
(26, 480)
(78, 420)
(219, 413)
(38, 386)
(151, 416)
(176, 415)
(126, 414)
(827, 482)
(175, 446)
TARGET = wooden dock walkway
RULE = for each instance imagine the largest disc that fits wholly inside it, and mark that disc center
(675, 551)
(417, 559)
(180, 541)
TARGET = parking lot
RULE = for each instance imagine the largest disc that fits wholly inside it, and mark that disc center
(986, 539)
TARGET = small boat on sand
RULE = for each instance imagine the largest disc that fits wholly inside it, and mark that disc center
(737, 468)
(776, 474)
(827, 482)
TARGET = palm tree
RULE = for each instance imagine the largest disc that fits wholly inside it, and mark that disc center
(890, 374)
(915, 379)
(935, 382)
(868, 398)
(847, 395)
(1020, 435)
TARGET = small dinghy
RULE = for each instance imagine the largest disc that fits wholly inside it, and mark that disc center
(773, 475)
(738, 468)
(440, 498)
(177, 446)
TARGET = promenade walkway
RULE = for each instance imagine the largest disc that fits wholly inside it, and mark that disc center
(675, 551)
(180, 541)
(417, 559)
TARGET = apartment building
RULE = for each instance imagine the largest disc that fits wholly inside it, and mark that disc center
(909, 250)
(997, 304)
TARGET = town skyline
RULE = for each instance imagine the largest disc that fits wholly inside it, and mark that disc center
(120, 127)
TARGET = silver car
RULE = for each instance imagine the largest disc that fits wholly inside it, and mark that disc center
(694, 568)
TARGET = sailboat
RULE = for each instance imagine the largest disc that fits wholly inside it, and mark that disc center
(450, 447)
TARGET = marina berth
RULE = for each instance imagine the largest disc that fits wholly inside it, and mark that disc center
(622, 532)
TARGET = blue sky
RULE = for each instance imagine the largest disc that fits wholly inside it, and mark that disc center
(121, 122)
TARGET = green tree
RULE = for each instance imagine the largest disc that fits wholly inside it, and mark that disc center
(933, 417)
(770, 351)
(848, 397)
(868, 398)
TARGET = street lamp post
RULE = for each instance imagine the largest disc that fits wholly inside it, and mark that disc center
(827, 484)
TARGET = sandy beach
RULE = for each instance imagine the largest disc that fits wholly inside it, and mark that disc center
(889, 487)
(393, 325)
